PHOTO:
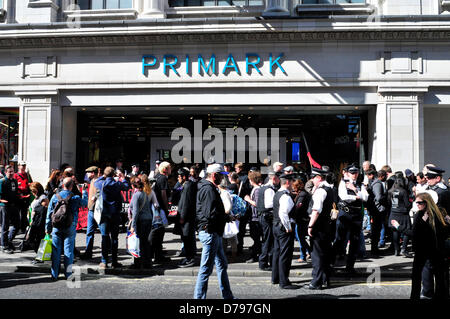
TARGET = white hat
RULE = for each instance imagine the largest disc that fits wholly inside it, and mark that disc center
(22, 163)
(215, 168)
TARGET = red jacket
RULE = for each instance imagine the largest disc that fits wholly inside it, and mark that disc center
(24, 184)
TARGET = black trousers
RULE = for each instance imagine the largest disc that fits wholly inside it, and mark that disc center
(396, 240)
(145, 228)
(23, 205)
(321, 254)
(347, 226)
(255, 235)
(265, 258)
(283, 250)
(156, 239)
(429, 272)
(188, 239)
(243, 220)
(375, 228)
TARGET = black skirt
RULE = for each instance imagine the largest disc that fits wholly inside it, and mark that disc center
(402, 218)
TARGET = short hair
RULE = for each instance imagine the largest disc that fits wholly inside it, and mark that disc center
(277, 164)
(109, 171)
(163, 166)
(420, 174)
(67, 182)
(387, 169)
(382, 173)
(234, 177)
(372, 172)
(239, 165)
(7, 167)
(255, 177)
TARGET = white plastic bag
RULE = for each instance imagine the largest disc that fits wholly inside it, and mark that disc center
(133, 245)
(231, 229)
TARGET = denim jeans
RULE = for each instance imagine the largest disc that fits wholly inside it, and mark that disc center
(109, 228)
(382, 234)
(301, 231)
(90, 231)
(63, 240)
(10, 221)
(212, 252)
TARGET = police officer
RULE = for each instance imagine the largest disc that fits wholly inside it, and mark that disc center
(283, 232)
(319, 229)
(435, 183)
(352, 194)
(264, 206)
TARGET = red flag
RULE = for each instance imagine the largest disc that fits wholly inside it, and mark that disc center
(311, 161)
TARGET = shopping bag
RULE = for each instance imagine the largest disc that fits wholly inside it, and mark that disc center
(159, 216)
(98, 209)
(133, 245)
(45, 249)
(231, 230)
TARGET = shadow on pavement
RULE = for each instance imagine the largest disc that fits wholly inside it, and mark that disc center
(12, 280)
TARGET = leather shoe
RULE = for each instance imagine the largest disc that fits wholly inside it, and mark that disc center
(406, 254)
(265, 268)
(312, 287)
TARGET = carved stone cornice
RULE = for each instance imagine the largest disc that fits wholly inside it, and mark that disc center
(49, 41)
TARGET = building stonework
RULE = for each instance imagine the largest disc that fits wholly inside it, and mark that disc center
(365, 58)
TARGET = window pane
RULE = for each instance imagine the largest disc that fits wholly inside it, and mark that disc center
(83, 4)
(176, 3)
(309, 1)
(97, 4)
(208, 3)
(195, 2)
(126, 4)
(224, 3)
(112, 4)
(256, 2)
(1, 3)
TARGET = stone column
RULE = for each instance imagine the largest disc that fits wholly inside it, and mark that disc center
(399, 129)
(155, 8)
(276, 8)
(40, 132)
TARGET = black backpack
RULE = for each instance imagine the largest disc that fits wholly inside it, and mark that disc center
(62, 216)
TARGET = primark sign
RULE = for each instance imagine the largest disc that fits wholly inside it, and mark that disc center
(211, 65)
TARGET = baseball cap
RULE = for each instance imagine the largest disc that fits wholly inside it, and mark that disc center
(92, 169)
(215, 168)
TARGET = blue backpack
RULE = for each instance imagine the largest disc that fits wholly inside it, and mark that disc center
(239, 206)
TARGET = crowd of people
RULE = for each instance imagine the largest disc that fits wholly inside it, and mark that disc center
(324, 211)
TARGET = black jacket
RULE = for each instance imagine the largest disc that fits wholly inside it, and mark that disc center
(377, 197)
(424, 240)
(210, 212)
(187, 203)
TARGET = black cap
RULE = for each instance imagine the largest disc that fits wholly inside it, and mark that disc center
(353, 168)
(253, 169)
(433, 171)
(183, 171)
(135, 165)
(228, 164)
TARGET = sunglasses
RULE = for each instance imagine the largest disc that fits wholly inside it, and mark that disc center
(420, 203)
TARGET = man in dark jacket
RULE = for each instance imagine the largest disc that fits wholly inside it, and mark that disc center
(9, 213)
(376, 206)
(186, 211)
(110, 220)
(211, 219)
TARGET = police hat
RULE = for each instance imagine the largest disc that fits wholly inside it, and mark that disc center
(433, 171)
(408, 172)
(319, 172)
(135, 165)
(288, 169)
(253, 169)
(287, 176)
(158, 162)
(352, 169)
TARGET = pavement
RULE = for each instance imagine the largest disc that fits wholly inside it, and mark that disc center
(387, 266)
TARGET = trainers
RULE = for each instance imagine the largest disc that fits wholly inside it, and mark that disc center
(251, 260)
(187, 263)
(6, 250)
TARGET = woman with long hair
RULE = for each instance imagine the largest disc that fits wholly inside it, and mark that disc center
(301, 217)
(38, 215)
(142, 222)
(430, 230)
(400, 206)
(53, 183)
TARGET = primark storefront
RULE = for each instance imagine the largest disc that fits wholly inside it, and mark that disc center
(118, 86)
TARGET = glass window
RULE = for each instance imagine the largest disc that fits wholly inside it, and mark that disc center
(332, 1)
(104, 4)
(210, 3)
(9, 132)
(1, 4)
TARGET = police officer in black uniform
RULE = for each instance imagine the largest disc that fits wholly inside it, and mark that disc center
(352, 195)
(319, 229)
(435, 183)
(264, 206)
(283, 232)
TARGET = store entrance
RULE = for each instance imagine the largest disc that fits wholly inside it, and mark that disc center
(139, 135)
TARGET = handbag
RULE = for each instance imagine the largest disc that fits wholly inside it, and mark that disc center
(133, 245)
(159, 217)
(231, 230)
(45, 249)
(98, 210)
(334, 212)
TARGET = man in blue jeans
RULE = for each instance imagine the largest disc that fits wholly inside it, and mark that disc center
(110, 221)
(92, 175)
(211, 219)
(64, 238)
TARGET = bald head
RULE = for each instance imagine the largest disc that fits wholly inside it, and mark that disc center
(68, 183)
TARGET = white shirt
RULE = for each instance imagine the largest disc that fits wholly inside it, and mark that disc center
(226, 199)
(318, 197)
(286, 205)
(421, 188)
(343, 195)
(268, 196)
